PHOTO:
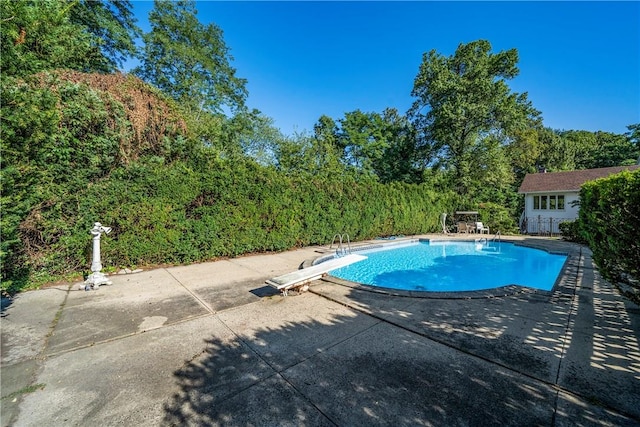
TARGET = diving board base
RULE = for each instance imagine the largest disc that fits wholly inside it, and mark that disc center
(300, 278)
(284, 290)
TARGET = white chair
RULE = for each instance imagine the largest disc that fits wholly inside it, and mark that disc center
(480, 228)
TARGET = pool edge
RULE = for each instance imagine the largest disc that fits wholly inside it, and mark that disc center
(500, 292)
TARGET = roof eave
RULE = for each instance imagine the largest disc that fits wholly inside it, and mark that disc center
(570, 190)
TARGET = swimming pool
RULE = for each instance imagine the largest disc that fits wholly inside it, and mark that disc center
(454, 266)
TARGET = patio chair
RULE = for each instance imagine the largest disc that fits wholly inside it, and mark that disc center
(480, 228)
(462, 227)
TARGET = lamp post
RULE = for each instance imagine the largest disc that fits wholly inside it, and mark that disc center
(97, 278)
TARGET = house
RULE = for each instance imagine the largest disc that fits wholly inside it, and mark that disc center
(549, 198)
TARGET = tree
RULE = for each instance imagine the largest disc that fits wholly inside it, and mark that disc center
(524, 152)
(190, 61)
(613, 150)
(86, 36)
(252, 134)
(41, 36)
(362, 141)
(557, 153)
(312, 155)
(464, 106)
(113, 26)
(585, 147)
(325, 151)
(569, 150)
(633, 136)
(379, 145)
(400, 160)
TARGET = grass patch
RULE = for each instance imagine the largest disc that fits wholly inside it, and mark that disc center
(25, 390)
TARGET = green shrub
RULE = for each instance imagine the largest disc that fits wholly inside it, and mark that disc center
(497, 218)
(609, 218)
(80, 148)
(60, 136)
(181, 213)
(571, 231)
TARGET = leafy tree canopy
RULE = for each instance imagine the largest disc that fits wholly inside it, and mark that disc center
(367, 146)
(190, 61)
(463, 100)
(379, 145)
(570, 150)
(113, 26)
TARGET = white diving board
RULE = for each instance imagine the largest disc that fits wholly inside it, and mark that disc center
(306, 275)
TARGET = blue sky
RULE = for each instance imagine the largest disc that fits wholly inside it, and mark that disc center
(579, 61)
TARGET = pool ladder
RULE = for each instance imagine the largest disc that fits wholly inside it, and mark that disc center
(341, 250)
(484, 241)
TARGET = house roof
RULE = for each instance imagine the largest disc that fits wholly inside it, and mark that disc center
(566, 181)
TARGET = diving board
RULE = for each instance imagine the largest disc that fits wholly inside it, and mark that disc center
(301, 277)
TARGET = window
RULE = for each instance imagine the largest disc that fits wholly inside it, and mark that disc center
(551, 202)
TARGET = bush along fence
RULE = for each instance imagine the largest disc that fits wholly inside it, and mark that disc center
(610, 222)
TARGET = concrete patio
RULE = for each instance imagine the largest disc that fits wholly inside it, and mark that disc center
(210, 344)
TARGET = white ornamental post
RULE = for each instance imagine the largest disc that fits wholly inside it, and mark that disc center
(97, 278)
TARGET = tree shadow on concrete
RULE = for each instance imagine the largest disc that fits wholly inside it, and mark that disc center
(517, 360)
(230, 385)
(6, 303)
(351, 370)
(602, 361)
(582, 336)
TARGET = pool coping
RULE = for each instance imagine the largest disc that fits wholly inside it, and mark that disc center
(499, 292)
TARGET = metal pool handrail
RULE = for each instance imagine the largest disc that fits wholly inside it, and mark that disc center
(341, 250)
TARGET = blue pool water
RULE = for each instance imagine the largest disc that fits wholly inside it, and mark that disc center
(455, 266)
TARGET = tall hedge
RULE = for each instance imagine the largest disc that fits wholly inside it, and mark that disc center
(610, 222)
(60, 133)
(182, 212)
(194, 211)
(80, 148)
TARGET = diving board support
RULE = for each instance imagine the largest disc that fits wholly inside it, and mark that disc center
(300, 278)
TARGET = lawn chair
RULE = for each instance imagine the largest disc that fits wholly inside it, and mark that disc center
(480, 228)
(462, 227)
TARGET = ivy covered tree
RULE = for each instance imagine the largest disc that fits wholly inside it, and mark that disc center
(41, 36)
(465, 113)
(86, 36)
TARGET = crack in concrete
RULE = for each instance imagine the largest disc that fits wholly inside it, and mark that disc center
(196, 297)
